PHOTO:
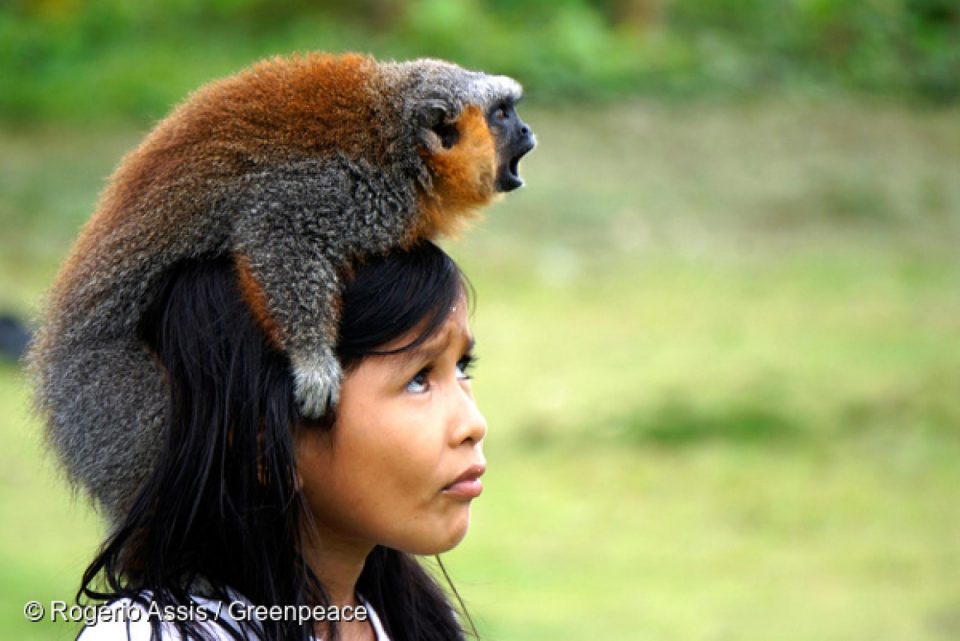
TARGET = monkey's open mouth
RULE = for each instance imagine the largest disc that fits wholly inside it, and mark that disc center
(509, 178)
(513, 171)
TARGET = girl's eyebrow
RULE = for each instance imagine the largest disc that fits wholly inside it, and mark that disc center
(432, 349)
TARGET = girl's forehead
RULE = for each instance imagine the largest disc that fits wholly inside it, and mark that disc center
(453, 332)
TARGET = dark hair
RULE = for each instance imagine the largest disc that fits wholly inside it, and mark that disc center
(222, 509)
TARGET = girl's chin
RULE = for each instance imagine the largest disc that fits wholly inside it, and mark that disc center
(444, 541)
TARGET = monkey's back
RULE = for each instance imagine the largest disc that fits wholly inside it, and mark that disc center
(164, 198)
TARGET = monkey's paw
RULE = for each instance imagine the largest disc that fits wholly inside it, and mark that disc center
(316, 383)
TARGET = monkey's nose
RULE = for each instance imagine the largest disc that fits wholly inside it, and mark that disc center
(527, 143)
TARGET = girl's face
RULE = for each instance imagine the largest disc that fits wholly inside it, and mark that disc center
(407, 429)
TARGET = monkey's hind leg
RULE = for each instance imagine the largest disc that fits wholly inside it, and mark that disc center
(298, 311)
(316, 381)
(301, 321)
(296, 230)
(106, 405)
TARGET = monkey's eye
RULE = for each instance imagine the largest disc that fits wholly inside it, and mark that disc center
(502, 113)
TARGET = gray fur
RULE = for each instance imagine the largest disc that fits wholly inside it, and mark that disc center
(298, 223)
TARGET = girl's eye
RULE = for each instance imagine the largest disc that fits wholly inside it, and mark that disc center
(465, 365)
(421, 382)
(418, 384)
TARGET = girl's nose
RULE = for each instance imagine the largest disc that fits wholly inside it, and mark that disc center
(470, 425)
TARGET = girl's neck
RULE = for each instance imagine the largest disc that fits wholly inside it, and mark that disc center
(337, 562)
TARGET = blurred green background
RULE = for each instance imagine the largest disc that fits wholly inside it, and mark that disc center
(719, 330)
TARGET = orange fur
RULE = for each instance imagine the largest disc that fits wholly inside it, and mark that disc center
(309, 105)
(463, 179)
(256, 300)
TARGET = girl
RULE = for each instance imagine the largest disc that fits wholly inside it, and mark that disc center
(250, 505)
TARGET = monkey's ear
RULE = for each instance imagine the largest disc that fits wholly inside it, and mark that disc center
(439, 127)
(432, 113)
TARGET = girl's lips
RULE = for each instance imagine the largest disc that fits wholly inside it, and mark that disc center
(468, 484)
(467, 488)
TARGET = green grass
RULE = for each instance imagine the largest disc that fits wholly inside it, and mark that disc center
(720, 360)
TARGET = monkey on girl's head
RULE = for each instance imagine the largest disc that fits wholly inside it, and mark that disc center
(296, 168)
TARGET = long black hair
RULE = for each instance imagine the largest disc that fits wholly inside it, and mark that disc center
(221, 511)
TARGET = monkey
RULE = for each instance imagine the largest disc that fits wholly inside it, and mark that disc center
(295, 168)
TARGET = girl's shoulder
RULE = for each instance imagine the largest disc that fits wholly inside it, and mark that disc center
(128, 619)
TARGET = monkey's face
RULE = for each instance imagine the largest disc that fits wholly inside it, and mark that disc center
(513, 140)
(472, 138)
(457, 143)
